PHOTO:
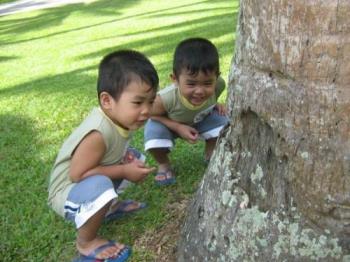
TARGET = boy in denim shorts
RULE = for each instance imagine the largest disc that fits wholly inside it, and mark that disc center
(94, 160)
(188, 108)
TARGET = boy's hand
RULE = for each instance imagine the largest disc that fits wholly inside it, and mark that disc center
(221, 109)
(188, 133)
(137, 171)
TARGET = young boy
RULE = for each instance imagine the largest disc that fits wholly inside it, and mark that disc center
(90, 167)
(188, 108)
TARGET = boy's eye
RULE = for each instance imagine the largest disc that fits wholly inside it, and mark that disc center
(137, 102)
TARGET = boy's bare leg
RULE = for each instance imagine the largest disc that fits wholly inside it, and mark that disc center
(209, 147)
(87, 239)
(161, 157)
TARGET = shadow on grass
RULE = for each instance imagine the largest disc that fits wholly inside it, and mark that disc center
(166, 41)
(52, 17)
(66, 83)
(7, 58)
(23, 187)
(159, 45)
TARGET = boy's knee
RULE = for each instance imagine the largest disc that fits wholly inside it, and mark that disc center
(93, 186)
(155, 129)
(211, 140)
(157, 135)
(88, 198)
(155, 144)
(164, 150)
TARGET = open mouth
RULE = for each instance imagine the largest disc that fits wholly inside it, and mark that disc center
(197, 100)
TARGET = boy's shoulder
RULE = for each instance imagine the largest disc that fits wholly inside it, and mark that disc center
(168, 96)
(94, 117)
(95, 120)
(168, 89)
(220, 83)
(220, 86)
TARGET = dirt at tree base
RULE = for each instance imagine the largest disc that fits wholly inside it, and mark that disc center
(162, 242)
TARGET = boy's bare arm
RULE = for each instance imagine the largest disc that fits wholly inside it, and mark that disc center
(87, 157)
(221, 109)
(158, 108)
(159, 113)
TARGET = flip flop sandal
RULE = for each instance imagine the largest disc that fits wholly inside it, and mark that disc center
(122, 210)
(122, 256)
(131, 154)
(168, 178)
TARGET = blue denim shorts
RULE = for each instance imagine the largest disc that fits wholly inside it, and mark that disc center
(88, 196)
(91, 194)
(157, 135)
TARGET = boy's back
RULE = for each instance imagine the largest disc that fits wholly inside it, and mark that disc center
(89, 167)
(116, 144)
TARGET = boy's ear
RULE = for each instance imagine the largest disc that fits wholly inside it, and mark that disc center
(105, 100)
(173, 77)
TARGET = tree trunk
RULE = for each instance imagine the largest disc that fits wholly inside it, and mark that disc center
(278, 185)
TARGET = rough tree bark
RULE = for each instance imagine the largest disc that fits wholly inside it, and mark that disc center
(278, 185)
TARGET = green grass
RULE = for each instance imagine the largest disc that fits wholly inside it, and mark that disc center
(48, 67)
(6, 1)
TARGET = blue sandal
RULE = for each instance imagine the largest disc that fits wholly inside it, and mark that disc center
(122, 210)
(132, 154)
(122, 256)
(168, 178)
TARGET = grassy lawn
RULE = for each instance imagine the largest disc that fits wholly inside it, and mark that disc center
(6, 1)
(48, 67)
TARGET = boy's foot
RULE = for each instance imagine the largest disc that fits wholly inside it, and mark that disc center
(209, 149)
(206, 158)
(122, 208)
(103, 249)
(131, 154)
(165, 177)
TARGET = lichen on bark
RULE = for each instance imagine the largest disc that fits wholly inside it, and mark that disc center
(277, 187)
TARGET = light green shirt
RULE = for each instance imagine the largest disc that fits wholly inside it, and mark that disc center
(180, 110)
(116, 141)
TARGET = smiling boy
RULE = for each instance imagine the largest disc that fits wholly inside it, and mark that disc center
(188, 108)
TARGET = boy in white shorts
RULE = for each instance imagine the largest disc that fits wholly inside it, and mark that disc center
(188, 108)
(94, 161)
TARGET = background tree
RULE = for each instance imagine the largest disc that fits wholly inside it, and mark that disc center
(278, 185)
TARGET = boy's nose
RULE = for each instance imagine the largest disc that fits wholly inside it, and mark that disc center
(199, 90)
(146, 110)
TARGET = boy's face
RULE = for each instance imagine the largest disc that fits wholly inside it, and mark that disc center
(196, 88)
(133, 107)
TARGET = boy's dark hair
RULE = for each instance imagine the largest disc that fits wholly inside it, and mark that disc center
(119, 68)
(195, 55)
